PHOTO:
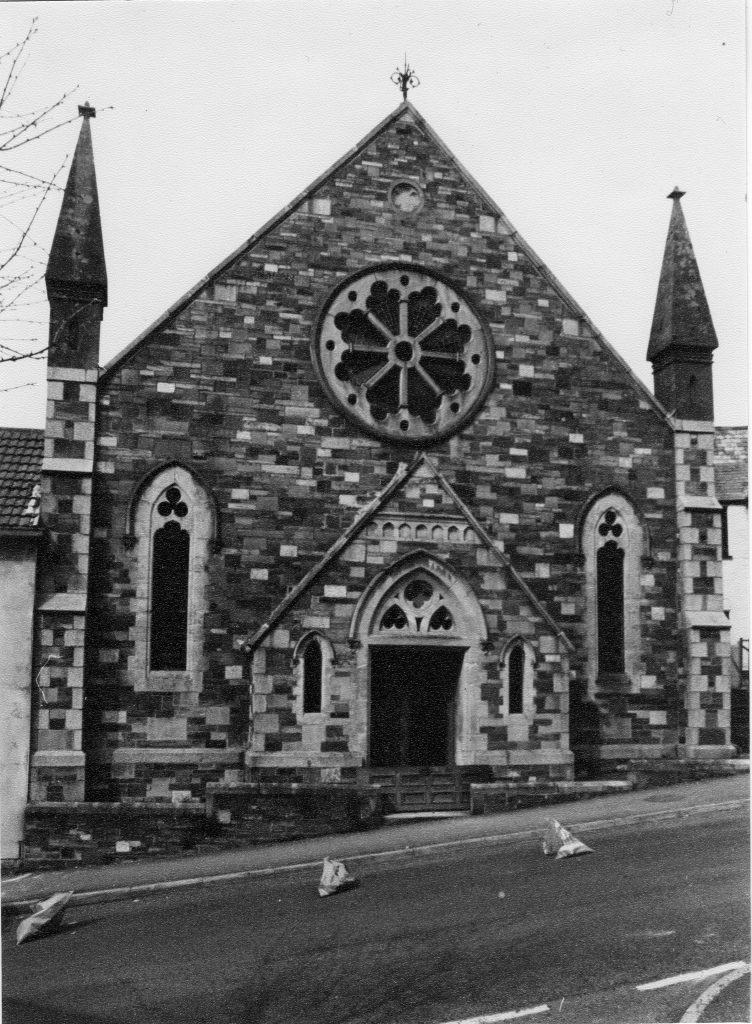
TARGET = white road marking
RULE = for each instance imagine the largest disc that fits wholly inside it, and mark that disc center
(678, 979)
(701, 1004)
(492, 1018)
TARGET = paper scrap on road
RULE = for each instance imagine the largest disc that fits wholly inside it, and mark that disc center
(335, 878)
(46, 918)
(560, 841)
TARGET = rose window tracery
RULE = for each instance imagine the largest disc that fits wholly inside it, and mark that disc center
(403, 353)
(417, 607)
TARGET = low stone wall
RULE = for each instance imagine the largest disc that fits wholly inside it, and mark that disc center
(648, 773)
(260, 812)
(60, 835)
(496, 797)
(75, 834)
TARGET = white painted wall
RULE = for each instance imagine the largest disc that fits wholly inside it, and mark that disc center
(736, 572)
(17, 572)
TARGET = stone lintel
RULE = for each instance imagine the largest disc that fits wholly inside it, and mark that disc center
(171, 755)
(83, 467)
(511, 758)
(58, 759)
(72, 373)
(707, 620)
(634, 751)
(688, 502)
(305, 759)
(693, 426)
(67, 602)
(707, 753)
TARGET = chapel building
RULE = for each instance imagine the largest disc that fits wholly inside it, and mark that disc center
(374, 501)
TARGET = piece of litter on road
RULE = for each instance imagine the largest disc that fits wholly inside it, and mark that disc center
(561, 1003)
(502, 895)
(46, 918)
(560, 841)
(335, 878)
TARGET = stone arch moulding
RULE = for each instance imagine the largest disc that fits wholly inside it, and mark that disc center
(194, 512)
(469, 633)
(611, 518)
(471, 613)
(146, 479)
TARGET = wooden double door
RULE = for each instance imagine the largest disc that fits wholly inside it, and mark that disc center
(413, 702)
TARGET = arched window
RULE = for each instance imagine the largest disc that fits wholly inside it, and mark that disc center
(516, 679)
(610, 588)
(313, 658)
(173, 524)
(312, 666)
(612, 546)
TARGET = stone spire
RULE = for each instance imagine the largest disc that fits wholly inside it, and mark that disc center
(76, 261)
(682, 336)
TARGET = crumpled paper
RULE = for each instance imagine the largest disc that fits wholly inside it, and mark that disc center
(335, 878)
(560, 841)
(46, 918)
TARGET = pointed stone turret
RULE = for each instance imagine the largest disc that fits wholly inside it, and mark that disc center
(77, 254)
(682, 337)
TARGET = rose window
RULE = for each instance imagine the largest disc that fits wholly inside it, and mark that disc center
(404, 354)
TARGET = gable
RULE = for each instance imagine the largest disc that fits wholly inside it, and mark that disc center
(416, 503)
(348, 219)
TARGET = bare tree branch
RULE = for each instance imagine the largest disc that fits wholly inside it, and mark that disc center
(23, 195)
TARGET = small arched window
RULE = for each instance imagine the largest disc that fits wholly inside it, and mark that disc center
(313, 659)
(516, 679)
(312, 676)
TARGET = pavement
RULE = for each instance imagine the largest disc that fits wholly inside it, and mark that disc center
(128, 879)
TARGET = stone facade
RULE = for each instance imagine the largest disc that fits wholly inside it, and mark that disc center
(307, 520)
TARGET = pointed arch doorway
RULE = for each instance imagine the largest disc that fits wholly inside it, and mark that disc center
(420, 631)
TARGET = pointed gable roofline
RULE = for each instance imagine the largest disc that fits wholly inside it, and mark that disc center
(404, 108)
(404, 473)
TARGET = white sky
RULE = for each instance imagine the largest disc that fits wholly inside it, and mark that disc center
(577, 116)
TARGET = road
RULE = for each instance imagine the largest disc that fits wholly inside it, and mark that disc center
(422, 941)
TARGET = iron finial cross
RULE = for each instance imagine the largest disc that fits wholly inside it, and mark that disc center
(87, 111)
(405, 79)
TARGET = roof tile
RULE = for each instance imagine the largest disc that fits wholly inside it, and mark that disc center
(20, 466)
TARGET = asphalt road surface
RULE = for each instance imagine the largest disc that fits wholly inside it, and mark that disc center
(423, 941)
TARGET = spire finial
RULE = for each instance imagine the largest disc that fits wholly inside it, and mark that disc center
(405, 79)
(676, 194)
(87, 111)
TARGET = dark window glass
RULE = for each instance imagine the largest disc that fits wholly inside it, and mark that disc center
(312, 677)
(725, 553)
(516, 677)
(169, 598)
(610, 608)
